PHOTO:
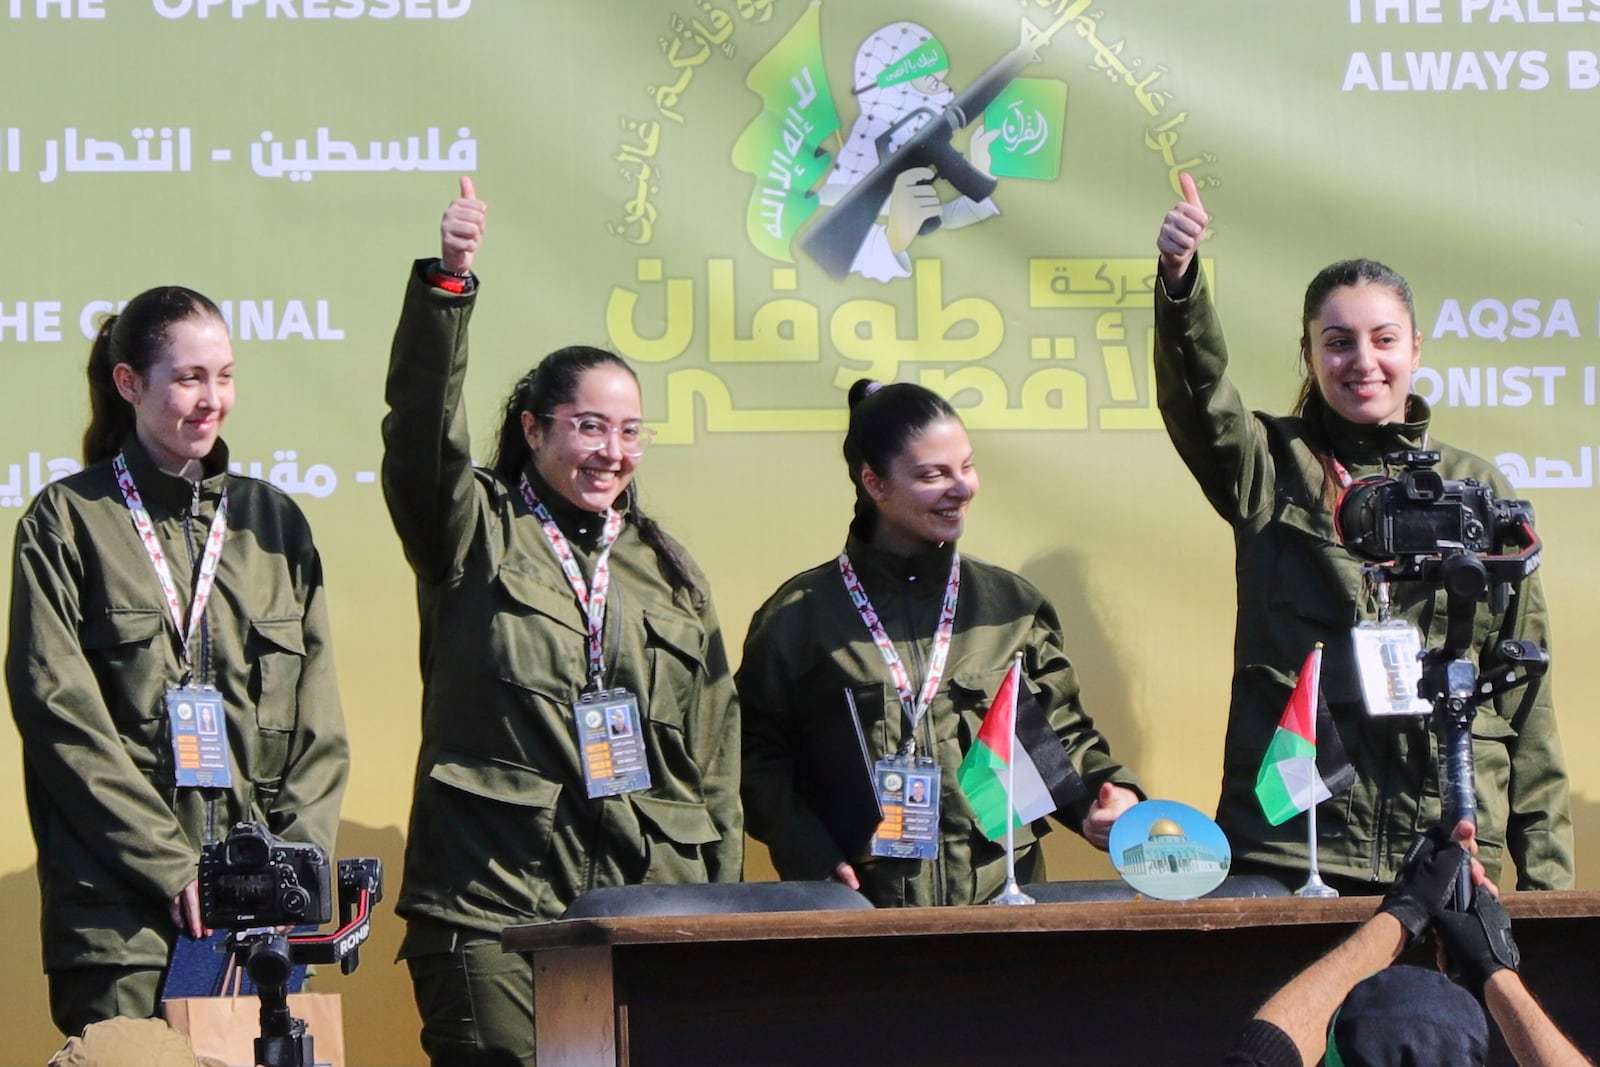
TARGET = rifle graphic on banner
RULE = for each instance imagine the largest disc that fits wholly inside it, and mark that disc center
(834, 239)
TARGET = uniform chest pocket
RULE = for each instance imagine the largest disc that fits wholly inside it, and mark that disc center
(1312, 576)
(972, 692)
(537, 638)
(276, 649)
(675, 645)
(129, 653)
(675, 832)
(492, 817)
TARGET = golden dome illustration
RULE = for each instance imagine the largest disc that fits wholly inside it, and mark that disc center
(1165, 828)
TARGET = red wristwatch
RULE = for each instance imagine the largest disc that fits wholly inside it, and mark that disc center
(449, 280)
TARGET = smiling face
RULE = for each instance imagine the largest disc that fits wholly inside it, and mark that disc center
(589, 478)
(180, 404)
(1363, 349)
(922, 498)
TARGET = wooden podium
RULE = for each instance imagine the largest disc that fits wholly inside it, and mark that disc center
(1143, 983)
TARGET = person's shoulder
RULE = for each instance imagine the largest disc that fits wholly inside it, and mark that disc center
(276, 518)
(1457, 463)
(692, 569)
(798, 593)
(1292, 430)
(65, 500)
(991, 579)
(683, 552)
(262, 497)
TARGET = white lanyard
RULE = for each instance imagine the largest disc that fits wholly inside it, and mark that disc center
(152, 546)
(914, 706)
(591, 600)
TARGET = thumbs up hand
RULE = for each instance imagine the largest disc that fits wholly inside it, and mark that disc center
(461, 229)
(1181, 232)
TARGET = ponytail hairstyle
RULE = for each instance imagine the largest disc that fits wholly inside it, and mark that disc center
(1310, 405)
(551, 383)
(883, 421)
(137, 336)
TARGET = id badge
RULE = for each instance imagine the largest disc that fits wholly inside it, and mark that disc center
(1389, 661)
(611, 739)
(908, 796)
(199, 737)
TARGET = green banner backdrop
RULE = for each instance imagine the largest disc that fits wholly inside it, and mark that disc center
(691, 183)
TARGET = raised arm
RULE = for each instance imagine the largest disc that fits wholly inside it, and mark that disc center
(1478, 948)
(427, 457)
(1533, 1038)
(1220, 440)
(1179, 240)
(1302, 1009)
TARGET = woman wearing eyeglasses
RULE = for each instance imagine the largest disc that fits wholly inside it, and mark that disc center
(579, 725)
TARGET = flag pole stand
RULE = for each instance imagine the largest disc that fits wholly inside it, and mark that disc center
(1315, 887)
(1013, 893)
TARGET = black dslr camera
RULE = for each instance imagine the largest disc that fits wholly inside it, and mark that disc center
(252, 883)
(253, 878)
(1419, 516)
(1457, 537)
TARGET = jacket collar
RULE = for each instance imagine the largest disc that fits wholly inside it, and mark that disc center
(1361, 444)
(165, 492)
(583, 528)
(929, 569)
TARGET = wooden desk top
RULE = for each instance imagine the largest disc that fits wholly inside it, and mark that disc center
(987, 919)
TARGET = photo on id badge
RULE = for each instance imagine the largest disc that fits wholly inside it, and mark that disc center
(917, 795)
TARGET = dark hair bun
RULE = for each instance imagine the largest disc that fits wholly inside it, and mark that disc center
(863, 388)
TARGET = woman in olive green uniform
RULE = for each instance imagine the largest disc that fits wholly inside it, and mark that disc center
(579, 724)
(148, 585)
(1274, 479)
(902, 594)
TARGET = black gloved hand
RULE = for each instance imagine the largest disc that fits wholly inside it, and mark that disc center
(1426, 879)
(1477, 941)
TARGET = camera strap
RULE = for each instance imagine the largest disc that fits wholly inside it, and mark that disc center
(914, 706)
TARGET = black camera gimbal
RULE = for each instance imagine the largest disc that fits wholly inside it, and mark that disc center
(1396, 522)
(269, 955)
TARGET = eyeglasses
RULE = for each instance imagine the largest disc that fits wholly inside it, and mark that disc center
(633, 437)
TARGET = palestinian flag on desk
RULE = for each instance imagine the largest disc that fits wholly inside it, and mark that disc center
(1038, 769)
(1305, 764)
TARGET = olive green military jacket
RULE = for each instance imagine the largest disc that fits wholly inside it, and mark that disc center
(93, 652)
(502, 830)
(1298, 585)
(808, 643)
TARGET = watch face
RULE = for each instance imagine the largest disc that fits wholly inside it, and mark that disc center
(1169, 851)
